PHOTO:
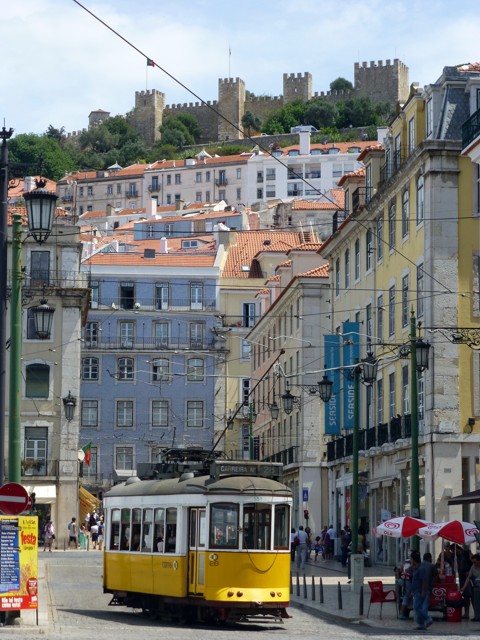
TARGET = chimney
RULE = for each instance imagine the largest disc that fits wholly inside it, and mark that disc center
(304, 143)
(179, 204)
(163, 245)
(29, 183)
(152, 208)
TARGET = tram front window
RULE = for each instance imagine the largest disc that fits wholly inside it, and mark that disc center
(257, 526)
(224, 526)
(281, 535)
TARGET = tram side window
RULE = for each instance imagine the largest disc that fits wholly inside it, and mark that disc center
(257, 525)
(125, 530)
(171, 530)
(147, 530)
(136, 543)
(159, 531)
(280, 531)
(115, 530)
(224, 525)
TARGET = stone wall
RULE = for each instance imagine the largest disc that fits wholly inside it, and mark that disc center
(382, 82)
(147, 115)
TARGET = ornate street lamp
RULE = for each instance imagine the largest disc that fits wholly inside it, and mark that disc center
(40, 205)
(369, 369)
(325, 389)
(289, 400)
(422, 348)
(43, 318)
(69, 404)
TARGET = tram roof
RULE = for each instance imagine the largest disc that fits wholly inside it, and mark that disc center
(246, 485)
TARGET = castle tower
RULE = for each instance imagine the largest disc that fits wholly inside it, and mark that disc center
(147, 115)
(382, 82)
(297, 87)
(97, 117)
(231, 104)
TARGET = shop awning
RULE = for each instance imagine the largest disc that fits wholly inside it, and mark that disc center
(88, 502)
(44, 493)
(466, 498)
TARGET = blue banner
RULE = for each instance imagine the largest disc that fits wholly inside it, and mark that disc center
(351, 354)
(332, 363)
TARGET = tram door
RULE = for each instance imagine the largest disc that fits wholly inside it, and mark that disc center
(197, 541)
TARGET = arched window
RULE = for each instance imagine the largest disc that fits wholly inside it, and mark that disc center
(420, 200)
(405, 213)
(347, 269)
(337, 277)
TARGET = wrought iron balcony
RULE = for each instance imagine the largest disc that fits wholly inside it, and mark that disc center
(39, 467)
(360, 197)
(153, 188)
(131, 193)
(471, 129)
(221, 182)
(145, 344)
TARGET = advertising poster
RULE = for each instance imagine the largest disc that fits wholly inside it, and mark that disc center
(18, 562)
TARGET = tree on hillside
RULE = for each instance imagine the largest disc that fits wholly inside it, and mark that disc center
(180, 131)
(282, 120)
(357, 112)
(192, 125)
(251, 123)
(341, 84)
(40, 154)
(56, 134)
(321, 114)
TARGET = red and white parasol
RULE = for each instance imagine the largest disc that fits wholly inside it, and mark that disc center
(401, 527)
(454, 531)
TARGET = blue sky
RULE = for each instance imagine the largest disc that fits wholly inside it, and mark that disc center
(58, 63)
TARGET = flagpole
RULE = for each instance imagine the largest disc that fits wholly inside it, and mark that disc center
(229, 59)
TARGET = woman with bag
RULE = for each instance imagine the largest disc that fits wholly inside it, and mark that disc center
(49, 536)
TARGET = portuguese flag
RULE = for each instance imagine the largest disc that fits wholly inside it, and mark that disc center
(87, 450)
(150, 63)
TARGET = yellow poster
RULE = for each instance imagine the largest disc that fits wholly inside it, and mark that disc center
(18, 562)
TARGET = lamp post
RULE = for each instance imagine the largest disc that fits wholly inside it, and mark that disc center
(418, 362)
(69, 404)
(5, 134)
(252, 417)
(40, 210)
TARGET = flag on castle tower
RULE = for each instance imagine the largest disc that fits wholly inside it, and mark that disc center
(150, 63)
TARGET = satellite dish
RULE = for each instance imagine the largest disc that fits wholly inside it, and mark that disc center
(81, 455)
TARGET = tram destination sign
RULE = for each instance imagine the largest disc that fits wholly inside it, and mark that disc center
(246, 468)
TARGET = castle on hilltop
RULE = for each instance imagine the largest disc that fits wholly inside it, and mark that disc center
(381, 81)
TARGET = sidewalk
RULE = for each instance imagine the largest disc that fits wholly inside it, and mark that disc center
(333, 574)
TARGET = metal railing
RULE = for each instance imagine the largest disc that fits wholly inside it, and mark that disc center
(59, 278)
(471, 129)
(145, 344)
(385, 433)
(360, 197)
(39, 467)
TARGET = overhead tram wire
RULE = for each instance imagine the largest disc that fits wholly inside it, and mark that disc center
(255, 142)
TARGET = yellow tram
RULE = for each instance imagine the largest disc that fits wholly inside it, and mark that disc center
(212, 545)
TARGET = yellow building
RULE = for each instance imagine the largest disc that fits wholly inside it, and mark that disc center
(408, 246)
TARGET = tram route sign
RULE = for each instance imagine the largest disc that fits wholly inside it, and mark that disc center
(246, 468)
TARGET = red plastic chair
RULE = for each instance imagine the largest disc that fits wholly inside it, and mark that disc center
(379, 596)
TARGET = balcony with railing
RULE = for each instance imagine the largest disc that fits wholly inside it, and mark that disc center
(53, 278)
(154, 188)
(39, 467)
(385, 433)
(360, 197)
(145, 344)
(221, 182)
(131, 193)
(394, 162)
(471, 133)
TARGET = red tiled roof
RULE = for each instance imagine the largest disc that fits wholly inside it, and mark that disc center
(307, 246)
(307, 205)
(317, 272)
(343, 146)
(358, 173)
(249, 244)
(287, 263)
(469, 67)
(17, 191)
(371, 147)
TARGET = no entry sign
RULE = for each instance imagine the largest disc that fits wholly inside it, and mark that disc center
(13, 499)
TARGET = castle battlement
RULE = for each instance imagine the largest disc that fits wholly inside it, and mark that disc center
(338, 94)
(149, 92)
(191, 105)
(229, 81)
(306, 74)
(264, 98)
(380, 64)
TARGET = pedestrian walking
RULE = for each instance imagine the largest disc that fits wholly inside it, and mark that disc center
(48, 536)
(72, 534)
(301, 550)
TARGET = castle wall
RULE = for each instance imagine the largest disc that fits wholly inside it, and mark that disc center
(147, 115)
(207, 118)
(382, 82)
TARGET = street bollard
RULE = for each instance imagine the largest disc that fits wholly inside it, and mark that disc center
(321, 591)
(340, 605)
(298, 584)
(313, 587)
(305, 595)
(360, 604)
(291, 583)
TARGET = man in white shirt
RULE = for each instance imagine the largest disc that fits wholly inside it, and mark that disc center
(301, 550)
